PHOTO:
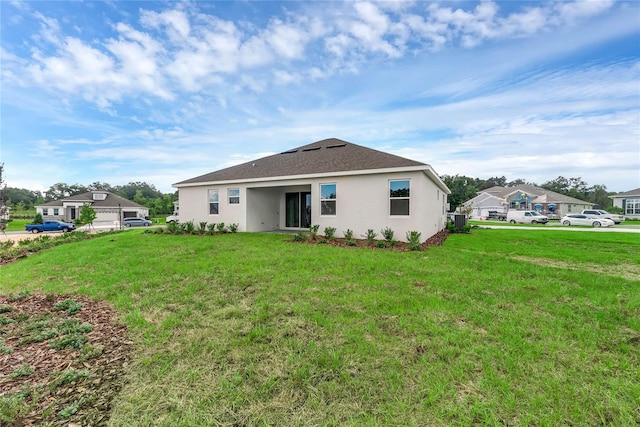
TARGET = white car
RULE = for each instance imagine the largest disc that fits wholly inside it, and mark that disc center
(604, 214)
(589, 220)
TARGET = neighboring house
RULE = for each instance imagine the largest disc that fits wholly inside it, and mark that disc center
(629, 201)
(523, 197)
(109, 207)
(330, 183)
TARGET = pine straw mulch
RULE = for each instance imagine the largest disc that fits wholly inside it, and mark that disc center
(71, 386)
(435, 240)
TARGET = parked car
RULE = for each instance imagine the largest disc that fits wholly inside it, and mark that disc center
(136, 222)
(52, 225)
(588, 220)
(526, 217)
(617, 218)
(172, 218)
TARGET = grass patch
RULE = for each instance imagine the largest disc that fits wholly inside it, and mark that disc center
(493, 327)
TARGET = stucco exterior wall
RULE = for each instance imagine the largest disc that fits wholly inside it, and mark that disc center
(362, 202)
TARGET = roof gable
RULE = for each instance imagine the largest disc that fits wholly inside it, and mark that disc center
(326, 156)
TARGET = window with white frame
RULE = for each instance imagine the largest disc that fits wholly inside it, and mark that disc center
(234, 196)
(328, 199)
(45, 211)
(632, 207)
(56, 211)
(399, 197)
(214, 203)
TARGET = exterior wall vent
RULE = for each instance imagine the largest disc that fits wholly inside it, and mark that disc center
(99, 196)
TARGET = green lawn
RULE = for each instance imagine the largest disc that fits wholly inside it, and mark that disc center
(496, 327)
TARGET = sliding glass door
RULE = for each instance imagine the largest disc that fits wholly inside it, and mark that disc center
(298, 210)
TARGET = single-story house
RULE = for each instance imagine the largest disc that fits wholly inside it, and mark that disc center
(110, 208)
(523, 197)
(629, 201)
(329, 183)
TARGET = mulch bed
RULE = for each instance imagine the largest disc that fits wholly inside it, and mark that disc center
(102, 360)
(435, 240)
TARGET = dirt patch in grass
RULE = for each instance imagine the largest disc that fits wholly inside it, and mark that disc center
(62, 360)
(626, 271)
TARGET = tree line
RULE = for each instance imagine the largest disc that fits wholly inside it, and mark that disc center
(464, 188)
(139, 192)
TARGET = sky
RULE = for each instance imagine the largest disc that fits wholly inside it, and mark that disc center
(160, 92)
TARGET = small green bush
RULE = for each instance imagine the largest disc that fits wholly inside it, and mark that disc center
(389, 235)
(370, 237)
(70, 341)
(413, 240)
(189, 227)
(330, 233)
(381, 244)
(22, 371)
(69, 305)
(233, 228)
(38, 218)
(348, 234)
(5, 308)
(221, 227)
(211, 229)
(202, 227)
(313, 231)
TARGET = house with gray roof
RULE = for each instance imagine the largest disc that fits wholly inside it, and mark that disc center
(330, 183)
(629, 201)
(110, 208)
(523, 197)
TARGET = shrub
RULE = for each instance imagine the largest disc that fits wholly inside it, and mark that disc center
(348, 234)
(382, 244)
(313, 231)
(202, 227)
(69, 305)
(221, 227)
(330, 233)
(413, 239)
(388, 235)
(211, 229)
(188, 227)
(234, 227)
(350, 242)
(38, 219)
(173, 228)
(370, 237)
(300, 236)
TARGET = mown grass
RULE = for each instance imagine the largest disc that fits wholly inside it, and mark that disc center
(496, 327)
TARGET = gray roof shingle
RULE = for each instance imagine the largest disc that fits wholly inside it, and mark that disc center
(326, 156)
(111, 201)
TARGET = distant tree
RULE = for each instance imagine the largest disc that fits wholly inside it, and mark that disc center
(4, 201)
(599, 195)
(462, 188)
(28, 197)
(518, 182)
(491, 182)
(87, 215)
(129, 190)
(61, 190)
(97, 186)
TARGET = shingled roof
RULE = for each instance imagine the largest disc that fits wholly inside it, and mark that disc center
(111, 201)
(326, 156)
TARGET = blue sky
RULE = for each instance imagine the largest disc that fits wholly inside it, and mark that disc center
(123, 91)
